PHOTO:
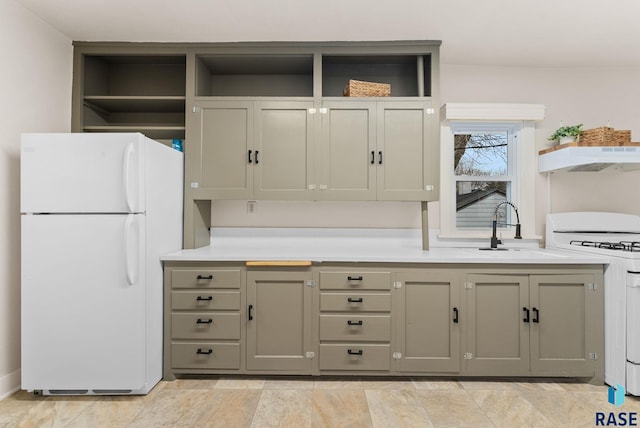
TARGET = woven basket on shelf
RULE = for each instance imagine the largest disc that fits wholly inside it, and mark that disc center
(359, 88)
(604, 136)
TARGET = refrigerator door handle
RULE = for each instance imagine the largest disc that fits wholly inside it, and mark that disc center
(128, 154)
(130, 266)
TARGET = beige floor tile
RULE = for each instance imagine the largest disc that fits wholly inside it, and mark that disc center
(172, 408)
(55, 411)
(538, 386)
(289, 384)
(435, 384)
(560, 408)
(228, 408)
(396, 408)
(452, 408)
(236, 383)
(391, 384)
(507, 408)
(340, 408)
(337, 384)
(283, 408)
(190, 384)
(598, 402)
(486, 385)
(109, 412)
(582, 386)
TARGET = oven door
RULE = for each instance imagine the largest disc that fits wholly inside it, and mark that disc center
(633, 317)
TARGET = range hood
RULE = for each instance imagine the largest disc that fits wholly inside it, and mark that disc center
(587, 158)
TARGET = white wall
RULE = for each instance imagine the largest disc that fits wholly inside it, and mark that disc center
(592, 96)
(35, 95)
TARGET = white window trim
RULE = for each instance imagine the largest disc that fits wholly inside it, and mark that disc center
(524, 162)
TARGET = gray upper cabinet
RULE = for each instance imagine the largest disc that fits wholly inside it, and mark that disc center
(120, 88)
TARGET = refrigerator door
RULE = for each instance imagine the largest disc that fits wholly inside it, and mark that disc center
(83, 303)
(82, 173)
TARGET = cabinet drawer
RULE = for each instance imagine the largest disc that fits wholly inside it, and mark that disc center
(356, 327)
(206, 278)
(354, 357)
(355, 280)
(205, 325)
(355, 302)
(205, 300)
(205, 355)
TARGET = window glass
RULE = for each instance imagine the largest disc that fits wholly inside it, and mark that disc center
(481, 173)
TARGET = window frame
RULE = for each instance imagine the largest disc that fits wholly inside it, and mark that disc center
(521, 119)
(512, 129)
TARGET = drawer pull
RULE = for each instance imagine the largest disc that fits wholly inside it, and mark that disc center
(204, 299)
(203, 352)
(204, 277)
(201, 321)
(352, 352)
(359, 322)
(352, 300)
(354, 278)
(455, 315)
(250, 314)
(526, 314)
(536, 315)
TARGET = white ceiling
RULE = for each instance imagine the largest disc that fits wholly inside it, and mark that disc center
(497, 32)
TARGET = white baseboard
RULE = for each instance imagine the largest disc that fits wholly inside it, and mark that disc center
(9, 384)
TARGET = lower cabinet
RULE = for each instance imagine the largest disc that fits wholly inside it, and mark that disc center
(540, 325)
(427, 310)
(384, 319)
(279, 320)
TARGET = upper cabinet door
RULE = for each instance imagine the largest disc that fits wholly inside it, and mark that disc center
(220, 155)
(283, 150)
(403, 151)
(348, 151)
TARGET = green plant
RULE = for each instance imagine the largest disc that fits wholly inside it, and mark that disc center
(566, 131)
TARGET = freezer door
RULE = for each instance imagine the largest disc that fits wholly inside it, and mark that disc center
(84, 302)
(82, 173)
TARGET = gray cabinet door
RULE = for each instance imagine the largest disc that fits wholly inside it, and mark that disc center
(404, 140)
(279, 320)
(348, 151)
(561, 340)
(217, 158)
(428, 320)
(283, 158)
(498, 325)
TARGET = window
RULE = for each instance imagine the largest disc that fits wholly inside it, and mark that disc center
(482, 172)
(488, 156)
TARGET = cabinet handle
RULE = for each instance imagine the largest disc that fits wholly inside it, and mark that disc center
(201, 321)
(249, 156)
(250, 315)
(203, 352)
(455, 315)
(359, 322)
(354, 278)
(526, 314)
(352, 352)
(380, 158)
(204, 299)
(536, 315)
(207, 277)
(352, 300)
(257, 160)
(373, 157)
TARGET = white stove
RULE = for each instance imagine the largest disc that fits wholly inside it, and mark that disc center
(617, 238)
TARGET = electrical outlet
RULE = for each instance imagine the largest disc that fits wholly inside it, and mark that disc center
(252, 207)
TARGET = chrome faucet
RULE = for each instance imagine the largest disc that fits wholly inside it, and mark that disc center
(494, 225)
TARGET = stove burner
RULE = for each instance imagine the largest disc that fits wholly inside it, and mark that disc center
(620, 246)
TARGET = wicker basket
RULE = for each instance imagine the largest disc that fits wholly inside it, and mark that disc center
(359, 88)
(605, 136)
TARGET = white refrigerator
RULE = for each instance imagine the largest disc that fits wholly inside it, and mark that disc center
(98, 210)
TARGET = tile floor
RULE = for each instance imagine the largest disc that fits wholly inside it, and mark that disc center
(308, 402)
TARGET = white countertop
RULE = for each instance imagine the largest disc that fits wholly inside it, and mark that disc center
(358, 245)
